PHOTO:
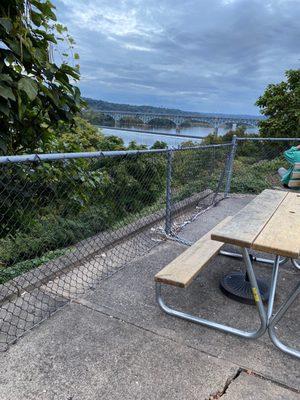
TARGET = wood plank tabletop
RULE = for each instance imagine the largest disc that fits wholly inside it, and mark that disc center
(269, 223)
(281, 235)
(246, 225)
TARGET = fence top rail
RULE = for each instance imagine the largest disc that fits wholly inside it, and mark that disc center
(97, 154)
(266, 139)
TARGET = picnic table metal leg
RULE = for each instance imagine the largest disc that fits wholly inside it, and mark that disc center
(277, 317)
(236, 285)
(296, 263)
(262, 260)
(273, 287)
(221, 327)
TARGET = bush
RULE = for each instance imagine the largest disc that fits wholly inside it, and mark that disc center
(9, 273)
(253, 177)
(52, 205)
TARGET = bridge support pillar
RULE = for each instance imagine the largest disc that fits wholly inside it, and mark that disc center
(234, 125)
(177, 128)
(117, 122)
(216, 130)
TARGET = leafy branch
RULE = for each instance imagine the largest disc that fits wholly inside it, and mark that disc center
(36, 93)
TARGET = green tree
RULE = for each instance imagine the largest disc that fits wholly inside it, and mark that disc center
(36, 93)
(159, 145)
(82, 136)
(281, 104)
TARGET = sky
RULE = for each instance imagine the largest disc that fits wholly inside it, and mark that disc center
(196, 55)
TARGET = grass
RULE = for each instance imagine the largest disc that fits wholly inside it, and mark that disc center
(8, 273)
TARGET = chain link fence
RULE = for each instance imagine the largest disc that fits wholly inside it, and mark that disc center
(69, 221)
(198, 180)
(256, 163)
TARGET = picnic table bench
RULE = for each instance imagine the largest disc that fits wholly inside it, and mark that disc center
(270, 223)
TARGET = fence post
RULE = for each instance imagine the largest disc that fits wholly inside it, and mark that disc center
(229, 167)
(168, 225)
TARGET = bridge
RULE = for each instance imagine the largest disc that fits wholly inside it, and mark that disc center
(178, 119)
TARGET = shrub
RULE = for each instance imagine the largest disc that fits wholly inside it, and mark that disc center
(253, 177)
(51, 205)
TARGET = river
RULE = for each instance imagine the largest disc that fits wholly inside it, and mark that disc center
(149, 139)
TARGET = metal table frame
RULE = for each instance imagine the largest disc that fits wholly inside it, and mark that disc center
(268, 321)
(274, 319)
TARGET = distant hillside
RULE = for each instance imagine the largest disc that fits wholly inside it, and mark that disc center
(101, 105)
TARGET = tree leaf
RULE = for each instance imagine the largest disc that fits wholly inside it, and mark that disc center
(4, 109)
(29, 86)
(5, 78)
(60, 28)
(6, 92)
(36, 18)
(6, 23)
(45, 8)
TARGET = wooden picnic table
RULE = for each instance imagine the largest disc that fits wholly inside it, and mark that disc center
(270, 223)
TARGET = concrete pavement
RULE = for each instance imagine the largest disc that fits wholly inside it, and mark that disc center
(114, 342)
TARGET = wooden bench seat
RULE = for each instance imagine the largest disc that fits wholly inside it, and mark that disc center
(181, 271)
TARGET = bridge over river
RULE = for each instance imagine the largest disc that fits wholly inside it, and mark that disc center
(214, 121)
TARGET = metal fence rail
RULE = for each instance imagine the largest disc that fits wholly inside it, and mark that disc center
(70, 220)
(97, 154)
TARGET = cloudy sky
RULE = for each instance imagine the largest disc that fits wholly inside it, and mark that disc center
(199, 55)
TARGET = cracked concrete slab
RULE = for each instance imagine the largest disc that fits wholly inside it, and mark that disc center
(115, 342)
(251, 387)
(81, 354)
(130, 294)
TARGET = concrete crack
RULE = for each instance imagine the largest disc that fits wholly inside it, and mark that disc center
(218, 395)
(228, 382)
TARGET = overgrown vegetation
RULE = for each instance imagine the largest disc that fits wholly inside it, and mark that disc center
(51, 205)
(256, 162)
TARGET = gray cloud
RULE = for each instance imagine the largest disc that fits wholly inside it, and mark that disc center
(201, 55)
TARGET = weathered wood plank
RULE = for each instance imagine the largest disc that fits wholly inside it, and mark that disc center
(246, 225)
(181, 271)
(282, 233)
(294, 183)
(295, 175)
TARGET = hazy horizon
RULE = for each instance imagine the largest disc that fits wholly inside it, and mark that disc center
(179, 109)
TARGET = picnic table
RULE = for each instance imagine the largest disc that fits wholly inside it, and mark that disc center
(270, 223)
